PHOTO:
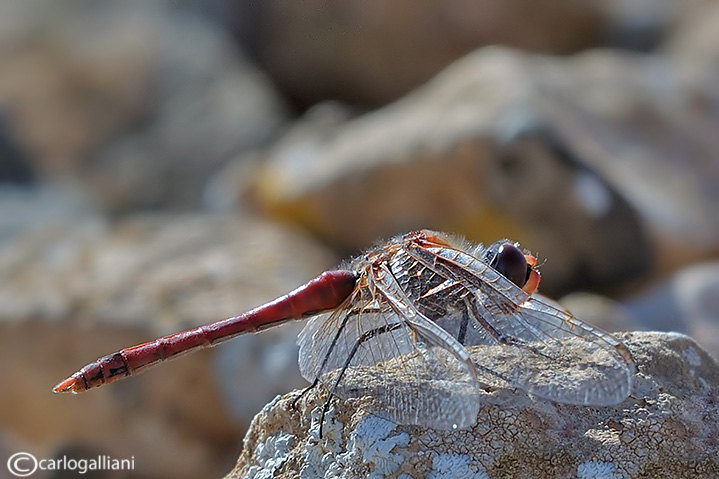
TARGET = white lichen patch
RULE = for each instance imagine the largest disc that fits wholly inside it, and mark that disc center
(268, 407)
(691, 356)
(319, 452)
(456, 466)
(270, 454)
(329, 425)
(370, 447)
(598, 470)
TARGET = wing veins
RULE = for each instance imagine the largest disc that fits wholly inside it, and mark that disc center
(469, 278)
(391, 289)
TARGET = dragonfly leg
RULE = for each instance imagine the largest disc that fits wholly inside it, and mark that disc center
(303, 392)
(364, 337)
(325, 408)
(462, 333)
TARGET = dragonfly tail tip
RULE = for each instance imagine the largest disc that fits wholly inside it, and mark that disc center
(68, 385)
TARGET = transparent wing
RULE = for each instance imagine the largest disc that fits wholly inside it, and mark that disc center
(372, 350)
(526, 343)
(553, 355)
(328, 341)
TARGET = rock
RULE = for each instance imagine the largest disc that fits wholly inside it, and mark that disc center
(688, 302)
(648, 141)
(653, 141)
(74, 292)
(587, 153)
(600, 311)
(25, 209)
(139, 101)
(468, 153)
(695, 40)
(371, 53)
(15, 166)
(668, 428)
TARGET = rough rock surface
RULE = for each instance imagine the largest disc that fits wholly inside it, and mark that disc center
(668, 428)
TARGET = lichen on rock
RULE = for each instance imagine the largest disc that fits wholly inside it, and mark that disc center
(667, 428)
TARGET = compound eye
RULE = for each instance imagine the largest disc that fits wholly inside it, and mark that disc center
(511, 263)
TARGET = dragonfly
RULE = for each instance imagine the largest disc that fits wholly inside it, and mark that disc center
(423, 323)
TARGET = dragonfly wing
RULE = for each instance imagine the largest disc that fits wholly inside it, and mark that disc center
(376, 351)
(561, 358)
(527, 343)
(546, 351)
(328, 340)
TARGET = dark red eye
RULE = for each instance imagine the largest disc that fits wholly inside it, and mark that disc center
(509, 261)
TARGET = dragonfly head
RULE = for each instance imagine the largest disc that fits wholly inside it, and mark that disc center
(513, 264)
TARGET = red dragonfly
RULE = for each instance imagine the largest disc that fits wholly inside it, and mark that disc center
(417, 307)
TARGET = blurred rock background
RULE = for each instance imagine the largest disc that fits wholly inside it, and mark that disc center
(167, 164)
